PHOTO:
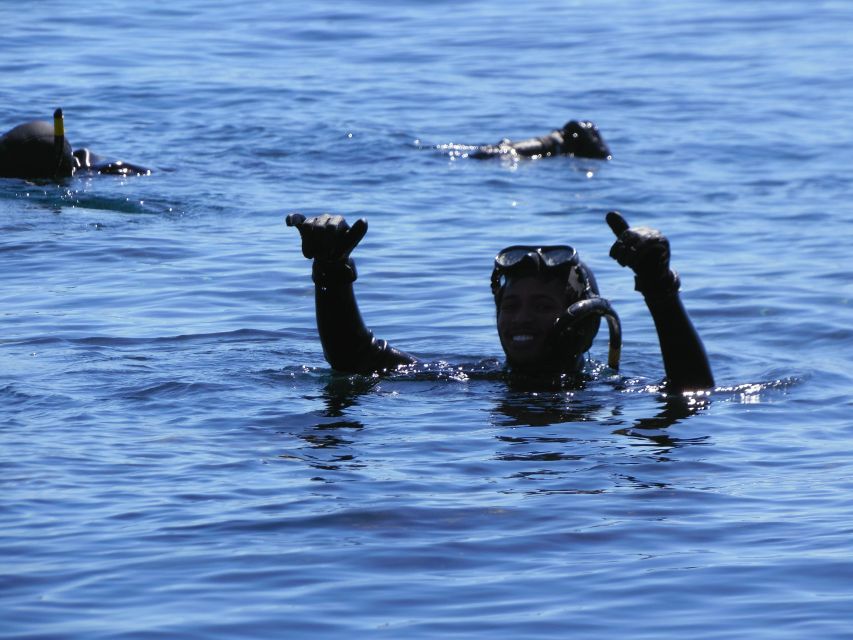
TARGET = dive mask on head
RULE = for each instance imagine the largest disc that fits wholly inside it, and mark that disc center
(549, 256)
(524, 260)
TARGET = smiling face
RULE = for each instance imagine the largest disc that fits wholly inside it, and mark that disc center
(528, 310)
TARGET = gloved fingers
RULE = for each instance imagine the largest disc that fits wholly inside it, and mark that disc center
(617, 223)
(294, 220)
(312, 232)
(653, 252)
(331, 231)
(622, 253)
(299, 221)
(621, 249)
(327, 237)
(335, 238)
(354, 235)
(644, 250)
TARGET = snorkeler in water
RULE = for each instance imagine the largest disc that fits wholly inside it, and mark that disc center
(579, 139)
(547, 303)
(38, 150)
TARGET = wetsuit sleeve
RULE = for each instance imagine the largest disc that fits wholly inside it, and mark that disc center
(552, 144)
(684, 358)
(546, 145)
(484, 151)
(646, 251)
(348, 345)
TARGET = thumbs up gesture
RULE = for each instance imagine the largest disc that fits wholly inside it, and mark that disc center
(646, 252)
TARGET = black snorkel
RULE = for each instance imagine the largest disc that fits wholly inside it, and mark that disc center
(582, 310)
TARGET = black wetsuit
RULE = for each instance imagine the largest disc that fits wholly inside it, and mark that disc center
(580, 139)
(349, 346)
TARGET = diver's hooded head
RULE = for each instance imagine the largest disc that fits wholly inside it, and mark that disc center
(533, 287)
(33, 151)
(583, 140)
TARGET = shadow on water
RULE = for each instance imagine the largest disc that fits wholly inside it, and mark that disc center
(545, 425)
(344, 392)
(580, 422)
(78, 193)
(328, 439)
(575, 408)
(590, 441)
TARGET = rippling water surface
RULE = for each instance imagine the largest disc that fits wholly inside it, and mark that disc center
(178, 459)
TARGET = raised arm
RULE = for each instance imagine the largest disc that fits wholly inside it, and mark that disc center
(646, 252)
(348, 345)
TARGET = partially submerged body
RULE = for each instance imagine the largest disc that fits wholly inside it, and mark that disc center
(39, 151)
(547, 303)
(85, 160)
(579, 139)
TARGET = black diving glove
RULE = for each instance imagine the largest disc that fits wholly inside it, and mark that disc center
(329, 240)
(646, 252)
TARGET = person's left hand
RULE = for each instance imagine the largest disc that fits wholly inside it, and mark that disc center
(646, 252)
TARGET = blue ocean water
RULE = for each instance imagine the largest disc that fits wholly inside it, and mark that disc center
(178, 459)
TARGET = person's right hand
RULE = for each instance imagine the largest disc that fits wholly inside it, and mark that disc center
(327, 238)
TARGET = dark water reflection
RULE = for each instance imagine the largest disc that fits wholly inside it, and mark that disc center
(544, 426)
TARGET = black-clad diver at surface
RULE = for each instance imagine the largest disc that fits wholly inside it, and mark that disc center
(39, 150)
(579, 139)
(547, 303)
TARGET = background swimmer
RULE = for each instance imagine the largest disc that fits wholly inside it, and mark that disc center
(579, 139)
(547, 303)
(39, 150)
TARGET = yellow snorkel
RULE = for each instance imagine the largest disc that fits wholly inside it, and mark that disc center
(58, 126)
